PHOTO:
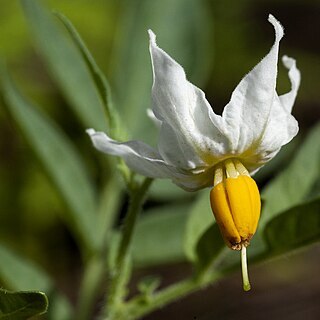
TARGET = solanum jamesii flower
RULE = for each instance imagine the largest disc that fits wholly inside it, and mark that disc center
(198, 148)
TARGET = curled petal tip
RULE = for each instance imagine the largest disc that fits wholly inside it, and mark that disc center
(90, 131)
(152, 36)
(288, 62)
(277, 26)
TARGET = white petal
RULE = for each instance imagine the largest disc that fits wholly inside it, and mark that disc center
(144, 160)
(189, 124)
(138, 156)
(249, 109)
(287, 100)
(281, 127)
(194, 182)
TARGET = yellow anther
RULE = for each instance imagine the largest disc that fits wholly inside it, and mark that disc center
(235, 202)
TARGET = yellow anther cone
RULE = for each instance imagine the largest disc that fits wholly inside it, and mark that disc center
(235, 202)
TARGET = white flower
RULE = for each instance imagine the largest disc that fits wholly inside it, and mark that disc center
(253, 127)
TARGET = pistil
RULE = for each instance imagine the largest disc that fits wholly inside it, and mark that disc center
(244, 267)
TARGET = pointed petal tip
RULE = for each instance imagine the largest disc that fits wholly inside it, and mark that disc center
(277, 27)
(152, 36)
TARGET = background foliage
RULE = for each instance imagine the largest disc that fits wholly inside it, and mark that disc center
(50, 208)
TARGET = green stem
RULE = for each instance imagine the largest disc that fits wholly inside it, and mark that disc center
(138, 307)
(118, 277)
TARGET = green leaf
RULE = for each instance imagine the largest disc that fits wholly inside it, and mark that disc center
(209, 246)
(199, 219)
(66, 64)
(21, 305)
(294, 184)
(294, 228)
(183, 30)
(61, 161)
(98, 77)
(158, 238)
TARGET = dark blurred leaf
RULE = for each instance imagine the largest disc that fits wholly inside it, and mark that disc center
(158, 238)
(200, 217)
(209, 246)
(293, 185)
(294, 228)
(66, 65)
(21, 305)
(183, 30)
(60, 159)
(98, 77)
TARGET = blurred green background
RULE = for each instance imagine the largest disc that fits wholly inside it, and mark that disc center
(217, 42)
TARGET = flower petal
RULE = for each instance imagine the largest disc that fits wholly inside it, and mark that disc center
(189, 124)
(143, 159)
(153, 118)
(287, 100)
(282, 126)
(249, 109)
(138, 156)
(194, 181)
